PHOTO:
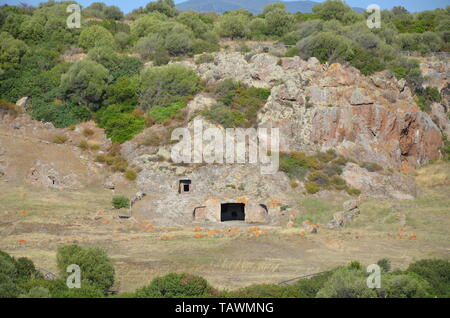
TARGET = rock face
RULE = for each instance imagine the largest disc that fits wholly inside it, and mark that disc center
(436, 71)
(351, 210)
(318, 107)
(45, 175)
(378, 185)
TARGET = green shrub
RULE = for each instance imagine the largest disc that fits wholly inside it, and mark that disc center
(130, 175)
(85, 83)
(14, 273)
(176, 285)
(164, 85)
(310, 286)
(202, 46)
(83, 145)
(95, 35)
(120, 202)
(160, 113)
(234, 25)
(267, 291)
(403, 285)
(436, 272)
(352, 191)
(119, 124)
(335, 10)
(312, 187)
(237, 105)
(346, 283)
(96, 267)
(385, 264)
(297, 164)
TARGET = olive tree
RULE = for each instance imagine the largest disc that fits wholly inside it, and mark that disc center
(85, 83)
(163, 85)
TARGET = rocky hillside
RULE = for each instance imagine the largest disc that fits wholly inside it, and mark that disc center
(319, 107)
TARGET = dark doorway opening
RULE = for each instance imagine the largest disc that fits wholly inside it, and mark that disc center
(184, 186)
(232, 212)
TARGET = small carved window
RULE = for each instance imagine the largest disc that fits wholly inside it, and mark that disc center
(184, 186)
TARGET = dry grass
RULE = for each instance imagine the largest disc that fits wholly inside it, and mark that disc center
(35, 222)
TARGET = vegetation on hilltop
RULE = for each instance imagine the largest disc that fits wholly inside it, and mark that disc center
(110, 83)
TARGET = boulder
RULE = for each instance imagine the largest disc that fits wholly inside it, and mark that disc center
(440, 118)
(23, 102)
(377, 185)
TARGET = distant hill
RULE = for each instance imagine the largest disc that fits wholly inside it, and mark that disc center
(254, 6)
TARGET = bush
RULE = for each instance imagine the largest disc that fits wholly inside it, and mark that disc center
(175, 285)
(120, 202)
(83, 145)
(279, 22)
(96, 267)
(95, 35)
(385, 264)
(118, 65)
(122, 91)
(14, 273)
(312, 187)
(310, 286)
(160, 113)
(130, 175)
(403, 285)
(267, 291)
(164, 85)
(234, 25)
(346, 283)
(352, 191)
(325, 46)
(119, 123)
(237, 105)
(59, 139)
(335, 10)
(436, 272)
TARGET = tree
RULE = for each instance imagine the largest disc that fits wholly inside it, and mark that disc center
(147, 24)
(102, 11)
(11, 52)
(335, 10)
(279, 21)
(234, 25)
(193, 20)
(273, 7)
(325, 46)
(166, 7)
(95, 35)
(163, 85)
(179, 41)
(96, 267)
(118, 65)
(176, 285)
(85, 83)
